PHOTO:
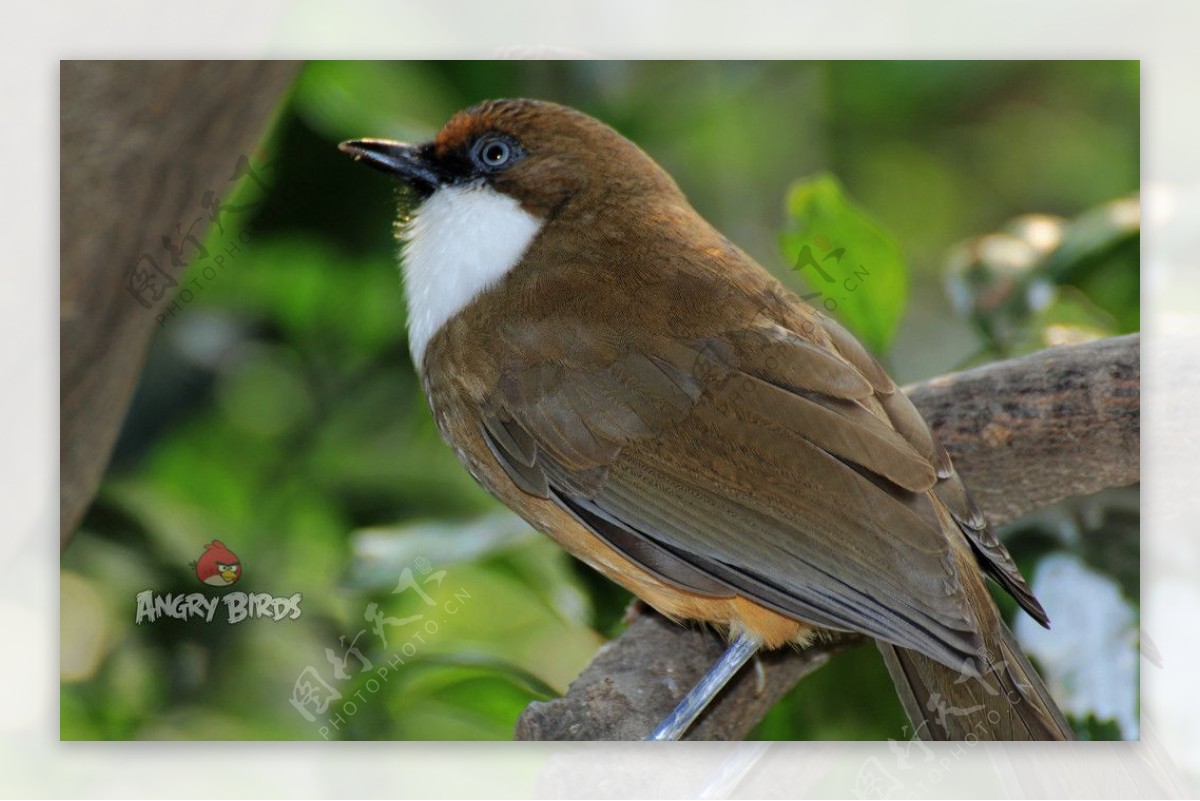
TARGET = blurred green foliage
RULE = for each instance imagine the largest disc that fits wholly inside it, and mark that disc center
(279, 411)
(854, 267)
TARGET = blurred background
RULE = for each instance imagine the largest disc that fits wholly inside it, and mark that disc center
(279, 411)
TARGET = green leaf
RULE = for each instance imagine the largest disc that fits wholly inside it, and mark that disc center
(853, 267)
(1100, 254)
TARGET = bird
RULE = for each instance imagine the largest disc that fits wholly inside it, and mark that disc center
(635, 386)
(218, 566)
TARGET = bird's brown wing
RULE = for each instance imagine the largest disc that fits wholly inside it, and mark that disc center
(762, 462)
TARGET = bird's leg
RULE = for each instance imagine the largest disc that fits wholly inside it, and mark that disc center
(695, 702)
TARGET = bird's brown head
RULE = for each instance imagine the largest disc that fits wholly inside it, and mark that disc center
(508, 184)
(543, 155)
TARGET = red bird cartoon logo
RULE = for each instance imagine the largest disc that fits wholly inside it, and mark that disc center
(218, 565)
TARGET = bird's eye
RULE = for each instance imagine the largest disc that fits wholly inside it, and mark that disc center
(493, 153)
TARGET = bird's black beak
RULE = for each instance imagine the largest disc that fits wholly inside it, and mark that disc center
(409, 163)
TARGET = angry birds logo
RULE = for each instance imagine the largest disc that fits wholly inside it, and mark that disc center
(218, 566)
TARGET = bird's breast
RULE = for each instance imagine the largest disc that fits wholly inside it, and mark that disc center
(459, 243)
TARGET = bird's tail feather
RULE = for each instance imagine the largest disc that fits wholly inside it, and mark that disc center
(1009, 701)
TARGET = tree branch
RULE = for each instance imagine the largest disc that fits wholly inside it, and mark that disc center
(1024, 433)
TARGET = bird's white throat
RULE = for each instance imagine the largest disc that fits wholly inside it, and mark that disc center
(460, 242)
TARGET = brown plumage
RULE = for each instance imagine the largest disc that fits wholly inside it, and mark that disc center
(643, 392)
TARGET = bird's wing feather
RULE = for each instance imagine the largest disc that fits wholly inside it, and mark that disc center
(758, 462)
